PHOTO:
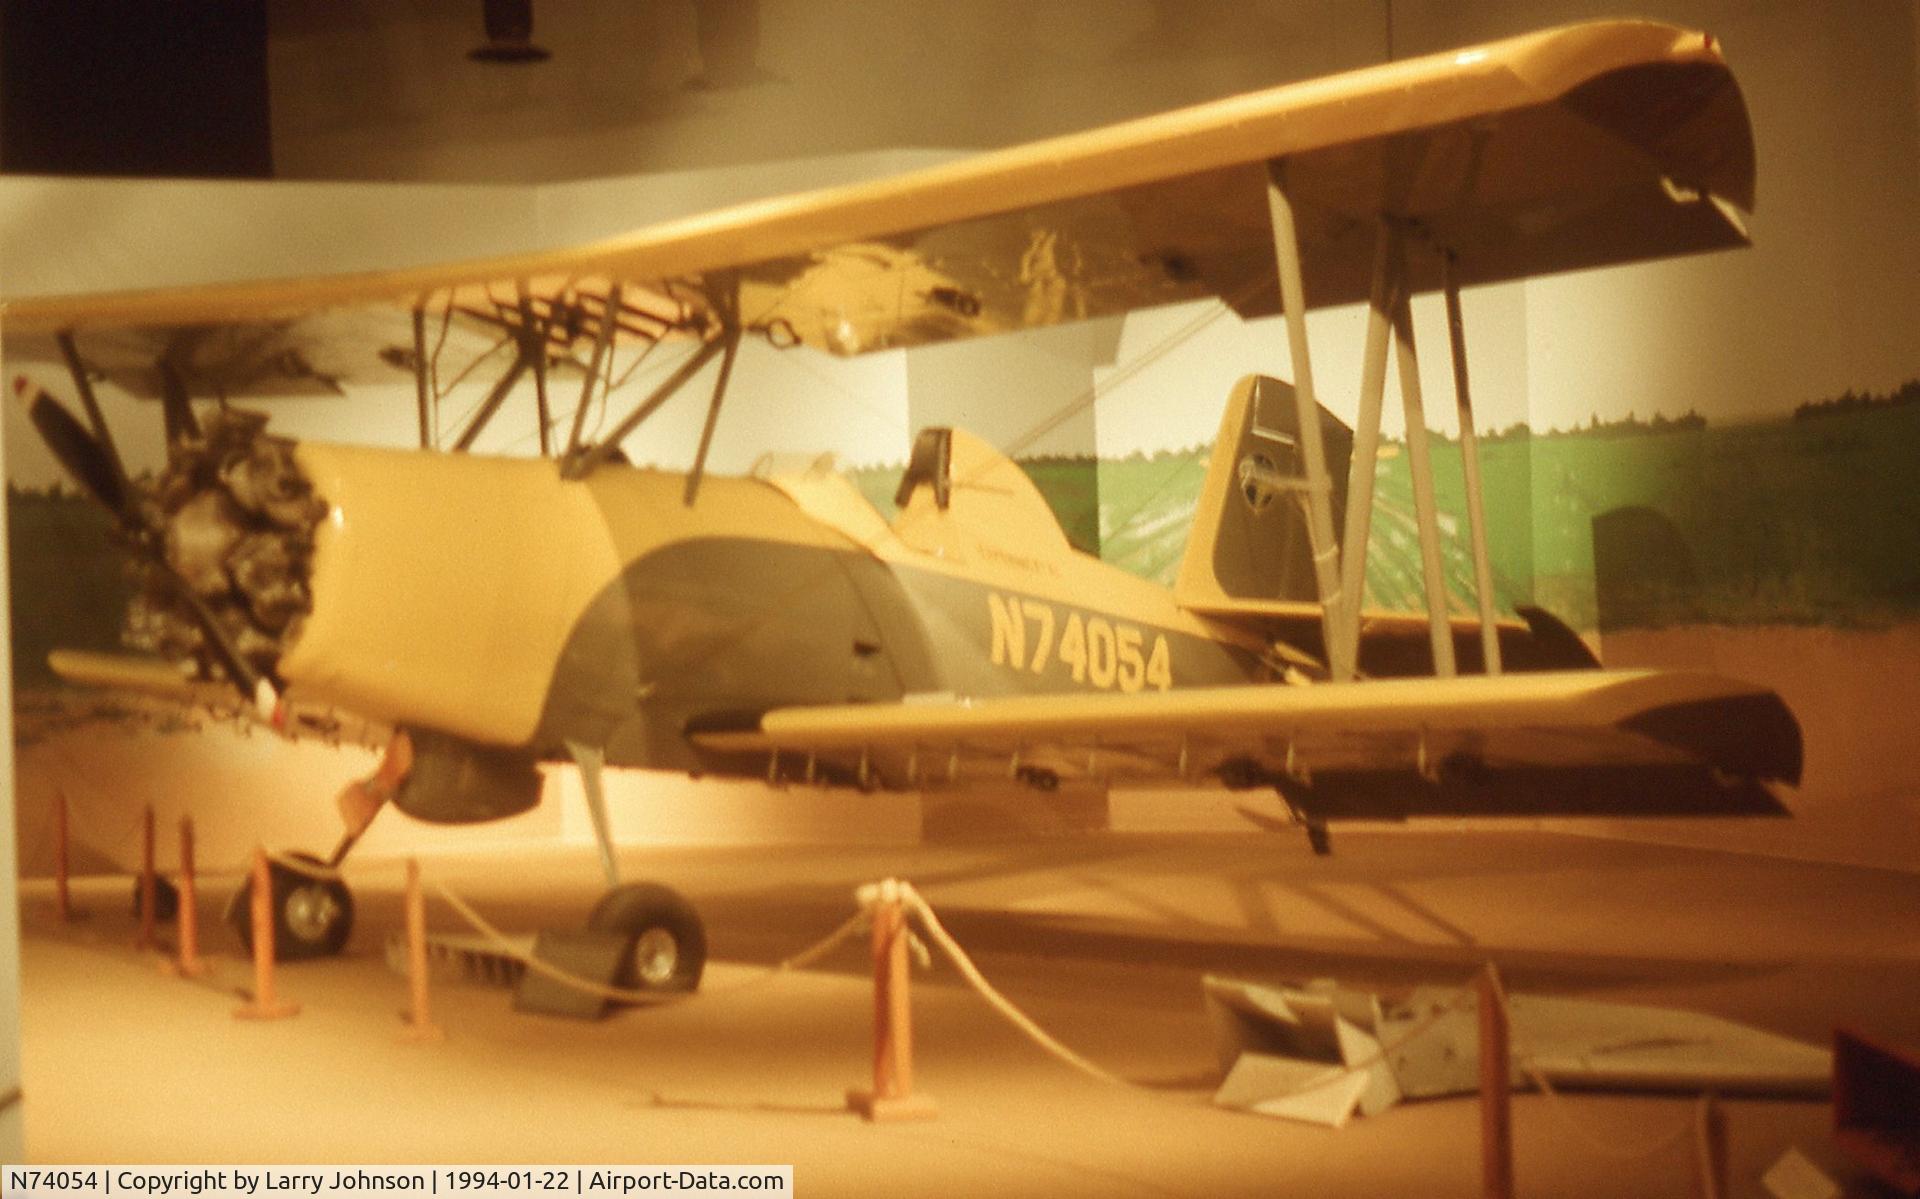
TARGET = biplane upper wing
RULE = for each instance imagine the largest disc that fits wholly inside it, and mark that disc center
(1615, 742)
(1582, 146)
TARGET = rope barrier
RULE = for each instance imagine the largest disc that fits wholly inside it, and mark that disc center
(1032, 1030)
(852, 926)
(970, 972)
(1707, 1127)
(800, 961)
(938, 933)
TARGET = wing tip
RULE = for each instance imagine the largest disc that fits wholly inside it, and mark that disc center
(1750, 734)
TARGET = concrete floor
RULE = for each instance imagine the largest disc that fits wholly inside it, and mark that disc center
(1101, 938)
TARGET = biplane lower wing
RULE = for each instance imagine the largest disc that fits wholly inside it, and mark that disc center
(142, 676)
(159, 680)
(1641, 743)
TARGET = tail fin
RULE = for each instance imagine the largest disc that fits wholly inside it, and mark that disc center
(1249, 549)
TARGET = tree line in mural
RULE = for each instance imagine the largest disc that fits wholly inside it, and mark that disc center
(1859, 401)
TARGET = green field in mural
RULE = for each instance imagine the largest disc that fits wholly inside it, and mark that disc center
(1811, 521)
(69, 583)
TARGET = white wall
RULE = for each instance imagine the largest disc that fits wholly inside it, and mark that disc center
(382, 88)
(1826, 297)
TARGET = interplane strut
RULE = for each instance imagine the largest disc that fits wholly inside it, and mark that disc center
(1341, 566)
(1313, 454)
(1470, 468)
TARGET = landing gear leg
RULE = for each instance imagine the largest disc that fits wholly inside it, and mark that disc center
(1296, 795)
(1319, 838)
(667, 942)
(592, 761)
(312, 908)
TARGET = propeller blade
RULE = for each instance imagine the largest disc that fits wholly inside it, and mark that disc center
(87, 462)
(244, 676)
(79, 452)
(175, 408)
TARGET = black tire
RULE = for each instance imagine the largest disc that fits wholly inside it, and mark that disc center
(166, 899)
(312, 911)
(667, 950)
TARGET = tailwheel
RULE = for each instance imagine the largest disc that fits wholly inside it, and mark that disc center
(668, 941)
(312, 909)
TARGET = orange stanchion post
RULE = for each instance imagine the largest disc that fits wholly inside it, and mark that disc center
(60, 863)
(147, 884)
(188, 963)
(420, 1025)
(1710, 1150)
(266, 1004)
(891, 1097)
(1496, 1115)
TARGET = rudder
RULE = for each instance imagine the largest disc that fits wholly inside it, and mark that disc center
(1249, 549)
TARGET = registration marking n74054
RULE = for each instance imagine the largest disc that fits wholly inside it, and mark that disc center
(1031, 635)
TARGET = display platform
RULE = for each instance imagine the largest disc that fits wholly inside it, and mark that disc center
(1102, 939)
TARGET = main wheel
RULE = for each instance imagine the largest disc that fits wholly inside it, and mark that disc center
(312, 909)
(668, 949)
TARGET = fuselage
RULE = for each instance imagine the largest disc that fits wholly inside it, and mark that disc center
(496, 601)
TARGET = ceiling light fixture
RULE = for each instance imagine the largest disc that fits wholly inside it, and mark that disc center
(509, 34)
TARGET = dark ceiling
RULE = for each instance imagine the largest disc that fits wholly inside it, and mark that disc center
(135, 87)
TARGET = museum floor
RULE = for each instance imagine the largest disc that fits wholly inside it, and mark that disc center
(1102, 939)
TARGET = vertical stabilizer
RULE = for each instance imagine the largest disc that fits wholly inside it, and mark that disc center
(1249, 549)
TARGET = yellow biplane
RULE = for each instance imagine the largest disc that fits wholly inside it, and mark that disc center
(491, 613)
